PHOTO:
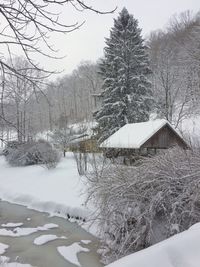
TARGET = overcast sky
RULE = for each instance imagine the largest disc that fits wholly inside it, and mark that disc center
(88, 42)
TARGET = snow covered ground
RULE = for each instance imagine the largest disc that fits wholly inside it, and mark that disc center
(4, 263)
(181, 250)
(58, 191)
(3, 248)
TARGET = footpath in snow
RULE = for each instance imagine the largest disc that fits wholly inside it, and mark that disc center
(58, 191)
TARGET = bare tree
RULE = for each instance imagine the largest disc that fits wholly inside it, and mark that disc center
(17, 93)
(72, 95)
(169, 88)
(88, 73)
(26, 26)
(175, 67)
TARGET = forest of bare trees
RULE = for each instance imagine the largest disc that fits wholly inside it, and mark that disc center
(29, 107)
(69, 99)
(26, 28)
(175, 63)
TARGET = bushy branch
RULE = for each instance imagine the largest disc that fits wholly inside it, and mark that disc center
(27, 24)
(139, 206)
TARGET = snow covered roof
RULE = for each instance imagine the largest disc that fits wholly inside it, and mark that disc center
(134, 135)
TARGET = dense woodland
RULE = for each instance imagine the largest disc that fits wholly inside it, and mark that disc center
(174, 58)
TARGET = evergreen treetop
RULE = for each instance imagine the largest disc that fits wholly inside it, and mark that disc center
(126, 96)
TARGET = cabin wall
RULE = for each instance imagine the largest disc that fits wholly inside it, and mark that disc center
(163, 139)
(89, 146)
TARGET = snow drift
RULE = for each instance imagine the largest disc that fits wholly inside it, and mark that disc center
(181, 250)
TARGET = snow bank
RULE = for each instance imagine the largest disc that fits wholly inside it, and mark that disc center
(3, 248)
(181, 250)
(57, 191)
(4, 262)
(11, 225)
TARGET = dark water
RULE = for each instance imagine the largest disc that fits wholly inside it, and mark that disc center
(45, 255)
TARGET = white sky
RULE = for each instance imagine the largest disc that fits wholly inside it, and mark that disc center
(88, 42)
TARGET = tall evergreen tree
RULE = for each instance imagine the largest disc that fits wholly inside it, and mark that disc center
(126, 96)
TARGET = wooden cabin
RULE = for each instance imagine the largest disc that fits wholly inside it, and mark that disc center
(142, 139)
(85, 145)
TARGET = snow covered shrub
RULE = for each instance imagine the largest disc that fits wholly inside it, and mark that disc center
(48, 155)
(139, 206)
(10, 146)
(31, 153)
(4, 261)
(1, 152)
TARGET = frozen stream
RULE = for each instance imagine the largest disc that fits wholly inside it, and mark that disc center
(30, 236)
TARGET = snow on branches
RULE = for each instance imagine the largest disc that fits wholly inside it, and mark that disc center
(126, 95)
(139, 206)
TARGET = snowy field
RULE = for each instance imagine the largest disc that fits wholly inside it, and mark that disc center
(58, 191)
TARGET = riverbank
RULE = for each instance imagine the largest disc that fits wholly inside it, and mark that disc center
(59, 191)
